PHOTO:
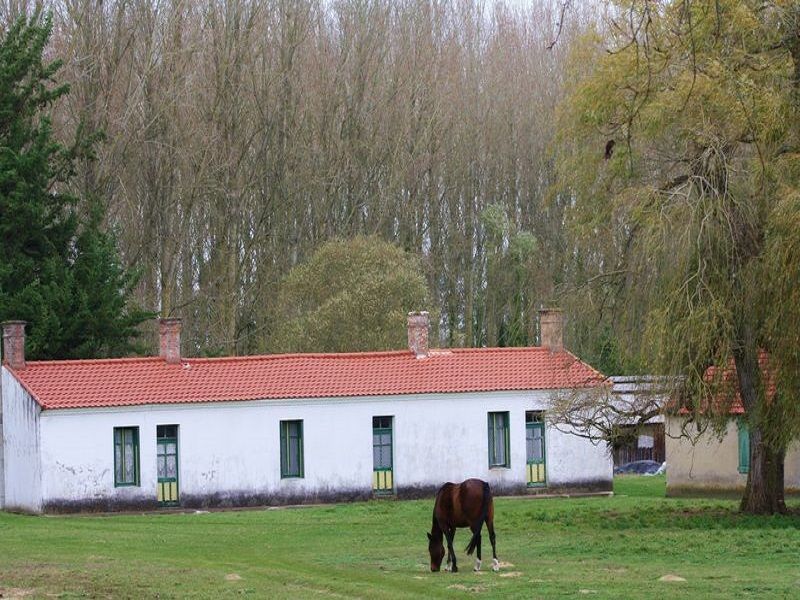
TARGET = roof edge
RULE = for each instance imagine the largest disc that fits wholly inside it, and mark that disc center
(292, 399)
(24, 386)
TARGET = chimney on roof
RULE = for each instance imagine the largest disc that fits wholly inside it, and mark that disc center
(419, 323)
(170, 343)
(551, 329)
(14, 344)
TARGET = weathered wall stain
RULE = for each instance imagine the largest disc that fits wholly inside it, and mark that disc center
(229, 453)
(21, 457)
(244, 499)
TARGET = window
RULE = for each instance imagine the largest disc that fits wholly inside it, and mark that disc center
(382, 474)
(382, 442)
(534, 436)
(535, 448)
(126, 456)
(498, 440)
(744, 446)
(167, 464)
(291, 448)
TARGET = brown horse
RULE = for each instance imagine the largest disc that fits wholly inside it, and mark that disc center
(467, 504)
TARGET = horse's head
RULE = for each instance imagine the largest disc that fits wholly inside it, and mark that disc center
(436, 550)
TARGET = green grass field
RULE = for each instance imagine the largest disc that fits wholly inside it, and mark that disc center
(615, 547)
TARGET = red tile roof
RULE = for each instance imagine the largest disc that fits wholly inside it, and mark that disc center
(727, 394)
(141, 381)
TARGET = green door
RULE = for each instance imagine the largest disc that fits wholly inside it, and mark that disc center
(167, 462)
(382, 468)
(534, 442)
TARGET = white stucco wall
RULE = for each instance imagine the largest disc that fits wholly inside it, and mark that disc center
(231, 450)
(2, 449)
(21, 464)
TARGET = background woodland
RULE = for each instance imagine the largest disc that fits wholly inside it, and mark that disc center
(239, 136)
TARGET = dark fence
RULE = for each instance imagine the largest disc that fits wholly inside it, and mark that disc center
(649, 445)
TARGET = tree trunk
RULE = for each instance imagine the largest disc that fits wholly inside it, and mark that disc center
(764, 493)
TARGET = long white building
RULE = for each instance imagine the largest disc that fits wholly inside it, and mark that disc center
(140, 433)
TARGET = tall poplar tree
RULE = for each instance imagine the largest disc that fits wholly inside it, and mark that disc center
(58, 270)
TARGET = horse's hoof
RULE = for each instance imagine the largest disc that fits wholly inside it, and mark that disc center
(495, 565)
(447, 568)
(477, 565)
(455, 569)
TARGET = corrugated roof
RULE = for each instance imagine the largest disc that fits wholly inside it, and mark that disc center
(142, 381)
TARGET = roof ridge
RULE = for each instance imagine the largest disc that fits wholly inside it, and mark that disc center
(331, 355)
(80, 361)
(496, 349)
(257, 357)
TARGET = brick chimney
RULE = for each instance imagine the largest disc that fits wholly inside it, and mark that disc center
(14, 344)
(551, 329)
(419, 323)
(170, 334)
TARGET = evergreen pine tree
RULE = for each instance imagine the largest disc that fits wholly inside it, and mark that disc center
(59, 272)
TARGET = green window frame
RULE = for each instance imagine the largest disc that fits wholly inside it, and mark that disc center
(291, 449)
(126, 456)
(535, 448)
(499, 440)
(382, 443)
(534, 437)
(744, 446)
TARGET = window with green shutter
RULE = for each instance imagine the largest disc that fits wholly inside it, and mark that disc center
(382, 467)
(126, 456)
(291, 449)
(498, 440)
(535, 448)
(744, 446)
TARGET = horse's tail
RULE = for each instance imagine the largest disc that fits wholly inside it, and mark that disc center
(487, 498)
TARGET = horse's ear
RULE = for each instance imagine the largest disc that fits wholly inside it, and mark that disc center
(429, 537)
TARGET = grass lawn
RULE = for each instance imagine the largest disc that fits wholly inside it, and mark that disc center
(615, 547)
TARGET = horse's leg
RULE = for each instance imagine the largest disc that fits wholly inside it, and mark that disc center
(451, 533)
(478, 548)
(495, 562)
(445, 532)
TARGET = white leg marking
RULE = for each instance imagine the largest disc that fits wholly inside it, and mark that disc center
(477, 564)
(495, 564)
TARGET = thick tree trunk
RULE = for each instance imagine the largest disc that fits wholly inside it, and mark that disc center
(764, 493)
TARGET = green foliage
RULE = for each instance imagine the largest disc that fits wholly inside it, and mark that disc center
(58, 272)
(701, 99)
(351, 295)
(604, 353)
(513, 278)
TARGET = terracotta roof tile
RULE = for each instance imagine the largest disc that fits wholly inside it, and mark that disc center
(728, 391)
(140, 381)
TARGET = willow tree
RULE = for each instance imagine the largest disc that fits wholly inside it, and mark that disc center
(682, 147)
